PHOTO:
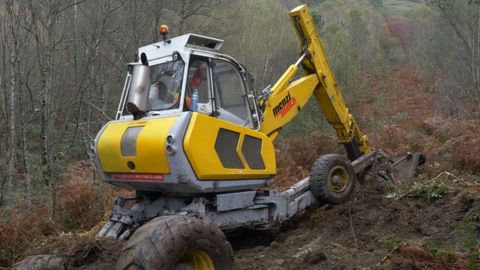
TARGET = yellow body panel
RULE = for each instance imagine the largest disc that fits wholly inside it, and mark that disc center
(199, 146)
(297, 93)
(150, 146)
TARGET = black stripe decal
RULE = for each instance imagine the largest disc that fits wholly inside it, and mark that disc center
(225, 146)
(251, 150)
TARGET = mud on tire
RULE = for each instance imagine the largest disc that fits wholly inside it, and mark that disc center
(332, 179)
(163, 242)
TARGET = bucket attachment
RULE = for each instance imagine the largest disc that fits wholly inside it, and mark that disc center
(385, 167)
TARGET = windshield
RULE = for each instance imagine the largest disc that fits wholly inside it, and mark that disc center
(166, 86)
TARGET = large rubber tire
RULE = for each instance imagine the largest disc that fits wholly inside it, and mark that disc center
(332, 179)
(164, 242)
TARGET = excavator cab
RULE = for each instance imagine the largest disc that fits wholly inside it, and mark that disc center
(220, 83)
(188, 122)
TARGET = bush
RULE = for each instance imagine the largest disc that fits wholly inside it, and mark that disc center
(21, 230)
(430, 191)
(81, 202)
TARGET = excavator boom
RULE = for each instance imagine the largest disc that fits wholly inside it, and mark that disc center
(282, 102)
(288, 97)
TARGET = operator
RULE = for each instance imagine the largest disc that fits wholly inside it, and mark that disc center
(198, 83)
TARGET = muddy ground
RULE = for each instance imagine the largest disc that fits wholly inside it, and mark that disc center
(370, 232)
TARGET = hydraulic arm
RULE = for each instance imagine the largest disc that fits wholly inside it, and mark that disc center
(287, 97)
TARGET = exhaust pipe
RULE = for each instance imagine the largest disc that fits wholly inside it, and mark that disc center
(137, 102)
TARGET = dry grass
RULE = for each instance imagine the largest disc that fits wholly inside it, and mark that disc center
(81, 204)
(21, 230)
(295, 156)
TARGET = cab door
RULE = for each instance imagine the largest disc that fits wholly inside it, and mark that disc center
(230, 94)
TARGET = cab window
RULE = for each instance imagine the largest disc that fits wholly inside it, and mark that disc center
(230, 94)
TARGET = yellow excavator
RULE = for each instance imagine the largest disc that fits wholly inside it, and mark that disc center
(195, 140)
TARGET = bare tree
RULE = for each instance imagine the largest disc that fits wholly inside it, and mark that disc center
(462, 21)
(45, 17)
(12, 14)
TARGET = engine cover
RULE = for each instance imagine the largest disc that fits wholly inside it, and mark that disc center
(184, 154)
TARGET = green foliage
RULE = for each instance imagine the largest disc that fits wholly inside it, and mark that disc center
(376, 3)
(391, 243)
(400, 8)
(430, 191)
(343, 59)
(472, 261)
(466, 235)
(442, 4)
(252, 42)
(310, 119)
(397, 191)
(317, 18)
(467, 239)
(436, 251)
(359, 33)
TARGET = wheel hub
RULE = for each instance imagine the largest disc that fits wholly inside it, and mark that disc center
(338, 179)
(195, 260)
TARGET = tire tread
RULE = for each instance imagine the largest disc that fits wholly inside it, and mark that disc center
(169, 235)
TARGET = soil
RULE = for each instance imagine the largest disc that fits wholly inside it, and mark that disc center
(369, 232)
(77, 252)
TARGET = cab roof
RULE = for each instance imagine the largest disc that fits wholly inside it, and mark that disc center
(180, 44)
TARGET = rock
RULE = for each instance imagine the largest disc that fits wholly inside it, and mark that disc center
(315, 257)
(41, 262)
(274, 244)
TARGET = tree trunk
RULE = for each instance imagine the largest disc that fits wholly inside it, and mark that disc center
(3, 83)
(12, 98)
(26, 172)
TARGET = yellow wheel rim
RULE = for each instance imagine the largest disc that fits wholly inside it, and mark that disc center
(197, 260)
(338, 179)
